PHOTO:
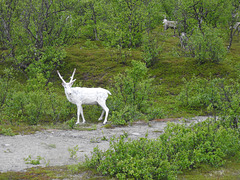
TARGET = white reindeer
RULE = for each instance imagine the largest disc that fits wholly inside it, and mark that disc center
(183, 40)
(82, 95)
(169, 24)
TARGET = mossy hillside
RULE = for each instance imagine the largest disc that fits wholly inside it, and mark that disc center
(173, 66)
(96, 67)
(97, 64)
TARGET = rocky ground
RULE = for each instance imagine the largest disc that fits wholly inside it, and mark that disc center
(54, 147)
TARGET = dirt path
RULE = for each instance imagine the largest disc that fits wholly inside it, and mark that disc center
(53, 145)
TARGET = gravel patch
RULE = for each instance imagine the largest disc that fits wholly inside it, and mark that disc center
(53, 145)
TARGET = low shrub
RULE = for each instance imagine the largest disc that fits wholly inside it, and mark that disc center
(132, 95)
(151, 50)
(32, 103)
(218, 96)
(207, 46)
(181, 147)
(6, 132)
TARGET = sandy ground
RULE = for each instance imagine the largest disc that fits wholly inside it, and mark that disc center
(53, 145)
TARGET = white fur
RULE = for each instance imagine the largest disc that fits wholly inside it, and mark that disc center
(169, 24)
(89, 96)
(183, 40)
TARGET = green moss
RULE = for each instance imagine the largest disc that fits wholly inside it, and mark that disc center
(56, 172)
(229, 171)
(37, 174)
(21, 129)
(96, 66)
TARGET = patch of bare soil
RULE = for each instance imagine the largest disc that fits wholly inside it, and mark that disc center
(53, 145)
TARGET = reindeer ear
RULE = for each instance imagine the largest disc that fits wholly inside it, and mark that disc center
(63, 84)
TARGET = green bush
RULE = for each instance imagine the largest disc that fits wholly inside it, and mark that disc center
(128, 113)
(33, 102)
(132, 92)
(181, 147)
(7, 84)
(6, 132)
(207, 46)
(151, 50)
(218, 96)
(71, 123)
(198, 92)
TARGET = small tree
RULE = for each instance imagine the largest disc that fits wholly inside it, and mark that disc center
(151, 50)
(207, 46)
(220, 97)
(132, 90)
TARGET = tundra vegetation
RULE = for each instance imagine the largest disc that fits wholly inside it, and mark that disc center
(121, 45)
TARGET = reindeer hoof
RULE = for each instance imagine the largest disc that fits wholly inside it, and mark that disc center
(77, 122)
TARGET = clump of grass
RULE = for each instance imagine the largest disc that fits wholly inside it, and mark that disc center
(49, 146)
(71, 123)
(73, 152)
(7, 132)
(11, 130)
(36, 161)
(108, 126)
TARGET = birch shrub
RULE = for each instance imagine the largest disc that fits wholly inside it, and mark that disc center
(181, 147)
(33, 102)
(207, 46)
(131, 95)
(218, 96)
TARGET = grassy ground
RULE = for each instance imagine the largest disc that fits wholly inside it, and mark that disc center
(229, 171)
(57, 172)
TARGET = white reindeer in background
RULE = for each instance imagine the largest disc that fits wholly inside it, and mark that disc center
(82, 95)
(169, 24)
(183, 40)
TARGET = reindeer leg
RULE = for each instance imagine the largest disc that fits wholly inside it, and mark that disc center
(78, 114)
(80, 111)
(101, 117)
(105, 108)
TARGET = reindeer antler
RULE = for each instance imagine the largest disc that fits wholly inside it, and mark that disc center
(71, 78)
(60, 76)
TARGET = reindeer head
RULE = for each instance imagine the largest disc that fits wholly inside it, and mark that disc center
(68, 85)
(164, 20)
